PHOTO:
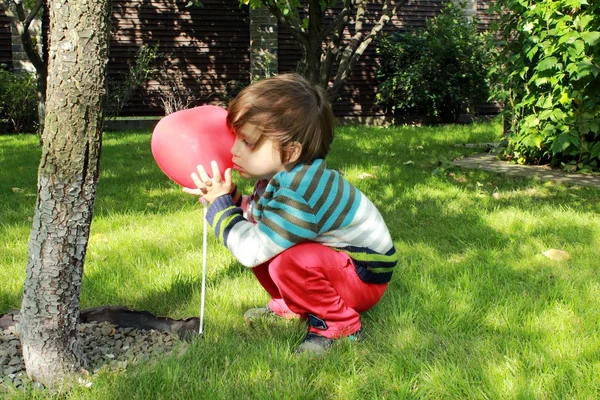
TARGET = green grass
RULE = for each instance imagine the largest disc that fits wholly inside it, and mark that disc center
(474, 311)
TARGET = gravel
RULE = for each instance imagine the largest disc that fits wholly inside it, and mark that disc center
(107, 347)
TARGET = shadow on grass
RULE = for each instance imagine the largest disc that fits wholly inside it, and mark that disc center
(107, 286)
(9, 301)
(418, 204)
(19, 160)
(479, 327)
(421, 343)
(457, 316)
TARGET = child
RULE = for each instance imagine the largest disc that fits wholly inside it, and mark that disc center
(316, 244)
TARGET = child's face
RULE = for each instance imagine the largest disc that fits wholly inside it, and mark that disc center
(256, 156)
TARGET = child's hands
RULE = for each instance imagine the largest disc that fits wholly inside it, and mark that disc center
(209, 189)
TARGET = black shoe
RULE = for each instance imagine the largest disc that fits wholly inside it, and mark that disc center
(254, 314)
(317, 344)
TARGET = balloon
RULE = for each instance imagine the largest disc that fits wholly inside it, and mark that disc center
(192, 137)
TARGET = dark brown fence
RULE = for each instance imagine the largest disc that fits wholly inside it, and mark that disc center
(207, 48)
(5, 40)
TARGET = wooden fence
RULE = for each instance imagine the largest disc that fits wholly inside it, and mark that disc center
(5, 41)
(208, 51)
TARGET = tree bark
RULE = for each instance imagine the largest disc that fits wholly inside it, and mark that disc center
(67, 181)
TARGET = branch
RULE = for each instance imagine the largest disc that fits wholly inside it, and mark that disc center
(36, 8)
(291, 25)
(358, 44)
(333, 45)
(21, 24)
(292, 17)
(350, 49)
(361, 5)
(341, 18)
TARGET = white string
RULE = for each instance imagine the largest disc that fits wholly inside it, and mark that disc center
(204, 235)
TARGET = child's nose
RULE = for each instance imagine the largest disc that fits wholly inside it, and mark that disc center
(234, 147)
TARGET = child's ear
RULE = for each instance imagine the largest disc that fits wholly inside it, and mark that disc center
(294, 151)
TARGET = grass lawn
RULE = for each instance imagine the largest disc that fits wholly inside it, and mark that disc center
(474, 311)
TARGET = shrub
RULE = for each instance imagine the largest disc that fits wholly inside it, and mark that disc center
(551, 83)
(437, 72)
(18, 101)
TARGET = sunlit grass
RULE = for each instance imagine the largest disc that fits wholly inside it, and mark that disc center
(475, 310)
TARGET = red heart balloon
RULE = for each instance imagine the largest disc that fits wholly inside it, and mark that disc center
(192, 137)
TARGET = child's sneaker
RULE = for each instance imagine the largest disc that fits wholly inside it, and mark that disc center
(254, 314)
(316, 344)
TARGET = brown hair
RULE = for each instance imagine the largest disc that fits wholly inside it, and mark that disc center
(288, 109)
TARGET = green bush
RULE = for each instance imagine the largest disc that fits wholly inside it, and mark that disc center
(437, 72)
(18, 102)
(551, 82)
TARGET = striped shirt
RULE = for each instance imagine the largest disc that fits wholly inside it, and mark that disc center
(308, 203)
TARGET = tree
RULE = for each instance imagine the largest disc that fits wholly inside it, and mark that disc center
(67, 181)
(319, 27)
(21, 20)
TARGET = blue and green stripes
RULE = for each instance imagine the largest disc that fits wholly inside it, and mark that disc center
(309, 203)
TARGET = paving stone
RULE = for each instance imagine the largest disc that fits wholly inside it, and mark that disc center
(489, 162)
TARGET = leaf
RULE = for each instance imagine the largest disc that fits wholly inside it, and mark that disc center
(532, 52)
(460, 179)
(195, 3)
(568, 37)
(561, 143)
(586, 68)
(590, 37)
(544, 102)
(409, 162)
(595, 150)
(547, 63)
(533, 140)
(546, 114)
(582, 21)
(577, 49)
(364, 175)
(557, 255)
(558, 114)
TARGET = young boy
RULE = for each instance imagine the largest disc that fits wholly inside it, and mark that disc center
(316, 244)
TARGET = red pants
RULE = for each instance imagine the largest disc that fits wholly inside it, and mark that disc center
(315, 282)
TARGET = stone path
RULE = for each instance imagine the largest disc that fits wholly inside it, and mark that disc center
(489, 162)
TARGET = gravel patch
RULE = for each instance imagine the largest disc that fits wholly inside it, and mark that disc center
(106, 346)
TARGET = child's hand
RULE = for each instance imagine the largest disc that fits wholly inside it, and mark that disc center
(209, 189)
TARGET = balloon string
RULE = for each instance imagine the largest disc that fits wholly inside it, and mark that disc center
(204, 235)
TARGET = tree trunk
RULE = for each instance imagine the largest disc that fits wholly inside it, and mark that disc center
(67, 181)
(314, 50)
